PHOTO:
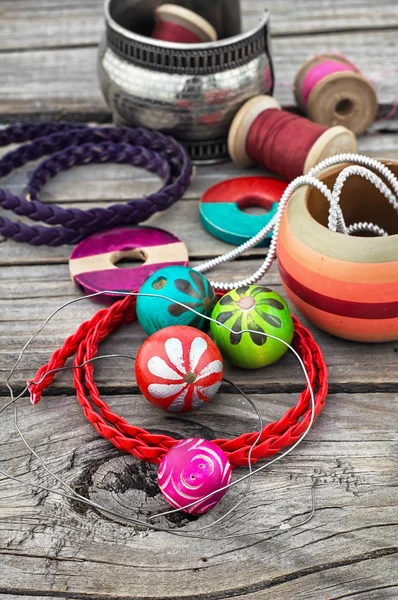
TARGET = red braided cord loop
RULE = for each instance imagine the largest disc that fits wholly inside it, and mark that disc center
(150, 447)
(120, 312)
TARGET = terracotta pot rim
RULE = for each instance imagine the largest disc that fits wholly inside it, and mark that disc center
(333, 244)
(307, 189)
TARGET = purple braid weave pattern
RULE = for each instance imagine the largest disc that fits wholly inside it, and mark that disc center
(71, 144)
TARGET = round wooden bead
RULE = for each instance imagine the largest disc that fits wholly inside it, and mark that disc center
(182, 284)
(179, 368)
(191, 470)
(261, 310)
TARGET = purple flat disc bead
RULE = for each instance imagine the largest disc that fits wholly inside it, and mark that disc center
(121, 239)
(92, 262)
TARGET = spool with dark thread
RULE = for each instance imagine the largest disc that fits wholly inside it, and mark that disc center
(283, 142)
(182, 26)
(331, 90)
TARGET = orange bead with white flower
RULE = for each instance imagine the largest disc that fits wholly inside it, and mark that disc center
(179, 368)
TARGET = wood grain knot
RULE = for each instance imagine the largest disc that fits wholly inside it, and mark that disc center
(128, 487)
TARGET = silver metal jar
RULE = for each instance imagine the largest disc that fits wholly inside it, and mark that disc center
(191, 91)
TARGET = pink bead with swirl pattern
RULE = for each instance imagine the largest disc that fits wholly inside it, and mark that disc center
(191, 470)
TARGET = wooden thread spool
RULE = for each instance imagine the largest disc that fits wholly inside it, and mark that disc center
(331, 90)
(180, 25)
(328, 142)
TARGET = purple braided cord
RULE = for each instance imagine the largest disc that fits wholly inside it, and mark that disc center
(70, 144)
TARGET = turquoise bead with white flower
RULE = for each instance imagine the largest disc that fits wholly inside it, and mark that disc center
(182, 284)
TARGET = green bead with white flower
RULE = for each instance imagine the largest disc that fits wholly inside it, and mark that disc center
(260, 310)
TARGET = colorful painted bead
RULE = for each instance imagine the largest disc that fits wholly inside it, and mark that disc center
(179, 368)
(191, 470)
(221, 208)
(93, 263)
(257, 308)
(182, 284)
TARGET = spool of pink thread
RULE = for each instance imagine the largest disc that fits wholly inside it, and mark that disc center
(333, 91)
(180, 25)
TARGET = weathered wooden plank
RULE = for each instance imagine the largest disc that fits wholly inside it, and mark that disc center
(62, 83)
(28, 24)
(58, 548)
(312, 16)
(25, 597)
(13, 596)
(346, 582)
(182, 219)
(49, 549)
(58, 83)
(113, 183)
(110, 182)
(99, 185)
(32, 293)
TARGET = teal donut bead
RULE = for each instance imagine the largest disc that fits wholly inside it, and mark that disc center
(179, 283)
(257, 308)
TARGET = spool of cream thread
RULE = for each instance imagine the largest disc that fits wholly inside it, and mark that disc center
(331, 90)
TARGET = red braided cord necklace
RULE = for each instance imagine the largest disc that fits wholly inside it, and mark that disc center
(84, 344)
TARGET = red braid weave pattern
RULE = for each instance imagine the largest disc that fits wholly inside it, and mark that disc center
(84, 344)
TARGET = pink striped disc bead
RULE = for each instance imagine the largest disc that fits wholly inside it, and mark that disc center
(191, 470)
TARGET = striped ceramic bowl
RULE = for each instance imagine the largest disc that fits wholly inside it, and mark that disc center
(346, 285)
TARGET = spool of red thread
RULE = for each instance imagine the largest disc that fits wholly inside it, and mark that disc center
(180, 25)
(282, 142)
(333, 91)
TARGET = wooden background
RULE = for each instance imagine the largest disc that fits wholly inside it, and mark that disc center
(52, 548)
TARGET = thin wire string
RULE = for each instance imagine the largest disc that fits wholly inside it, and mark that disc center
(140, 522)
(166, 513)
